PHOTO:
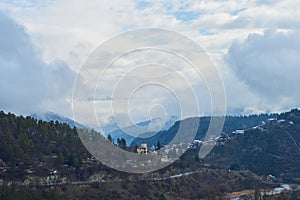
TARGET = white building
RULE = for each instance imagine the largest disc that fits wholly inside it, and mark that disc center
(143, 149)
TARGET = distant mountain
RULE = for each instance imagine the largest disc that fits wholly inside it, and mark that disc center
(138, 129)
(50, 116)
(231, 124)
(111, 128)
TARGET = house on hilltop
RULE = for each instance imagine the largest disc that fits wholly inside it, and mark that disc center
(143, 149)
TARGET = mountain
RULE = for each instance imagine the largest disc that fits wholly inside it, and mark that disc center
(140, 128)
(112, 128)
(231, 124)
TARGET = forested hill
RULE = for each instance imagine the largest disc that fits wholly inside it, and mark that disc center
(29, 143)
(273, 148)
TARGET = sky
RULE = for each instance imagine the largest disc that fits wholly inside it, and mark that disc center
(254, 45)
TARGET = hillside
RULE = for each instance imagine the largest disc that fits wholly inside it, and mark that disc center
(272, 148)
(37, 148)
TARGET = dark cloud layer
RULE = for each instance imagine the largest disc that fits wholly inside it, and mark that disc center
(269, 64)
(27, 83)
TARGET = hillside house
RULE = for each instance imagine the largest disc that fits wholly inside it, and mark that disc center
(143, 149)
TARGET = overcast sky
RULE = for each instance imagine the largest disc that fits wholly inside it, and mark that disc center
(255, 45)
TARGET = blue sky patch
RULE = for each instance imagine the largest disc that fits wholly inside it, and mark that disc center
(205, 32)
(141, 5)
(186, 16)
(28, 3)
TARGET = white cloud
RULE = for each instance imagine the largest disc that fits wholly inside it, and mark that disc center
(69, 30)
(268, 64)
(27, 83)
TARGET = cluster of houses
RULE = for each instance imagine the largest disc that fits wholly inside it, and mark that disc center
(220, 140)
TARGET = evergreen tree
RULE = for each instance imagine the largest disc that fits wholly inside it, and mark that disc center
(109, 138)
(158, 145)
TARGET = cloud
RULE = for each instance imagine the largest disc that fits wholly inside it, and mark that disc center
(268, 64)
(27, 83)
(70, 33)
